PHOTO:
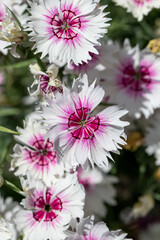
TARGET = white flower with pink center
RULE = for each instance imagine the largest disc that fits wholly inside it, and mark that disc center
(50, 211)
(87, 230)
(67, 30)
(37, 157)
(99, 190)
(138, 8)
(133, 81)
(73, 127)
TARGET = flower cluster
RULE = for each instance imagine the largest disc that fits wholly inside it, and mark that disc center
(64, 135)
(49, 211)
(87, 90)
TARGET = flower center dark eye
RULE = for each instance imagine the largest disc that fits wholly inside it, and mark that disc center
(137, 80)
(47, 208)
(83, 122)
(65, 26)
(137, 76)
(43, 152)
(84, 126)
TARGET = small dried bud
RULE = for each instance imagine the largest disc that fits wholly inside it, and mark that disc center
(10, 30)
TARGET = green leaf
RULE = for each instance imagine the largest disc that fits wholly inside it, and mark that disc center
(19, 64)
(3, 155)
(9, 112)
(3, 129)
(8, 47)
(14, 188)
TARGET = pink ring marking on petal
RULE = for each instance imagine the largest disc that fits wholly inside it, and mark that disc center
(137, 81)
(83, 125)
(64, 27)
(43, 153)
(47, 208)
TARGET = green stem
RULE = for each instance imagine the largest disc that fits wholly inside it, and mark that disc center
(14, 188)
(7, 130)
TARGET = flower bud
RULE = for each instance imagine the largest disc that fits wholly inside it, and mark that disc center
(10, 30)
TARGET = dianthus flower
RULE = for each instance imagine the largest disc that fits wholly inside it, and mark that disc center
(67, 30)
(133, 81)
(50, 211)
(37, 156)
(76, 133)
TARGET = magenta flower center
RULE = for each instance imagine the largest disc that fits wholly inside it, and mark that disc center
(48, 208)
(83, 126)
(136, 80)
(65, 25)
(43, 153)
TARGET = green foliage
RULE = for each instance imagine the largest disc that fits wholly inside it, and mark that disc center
(6, 130)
